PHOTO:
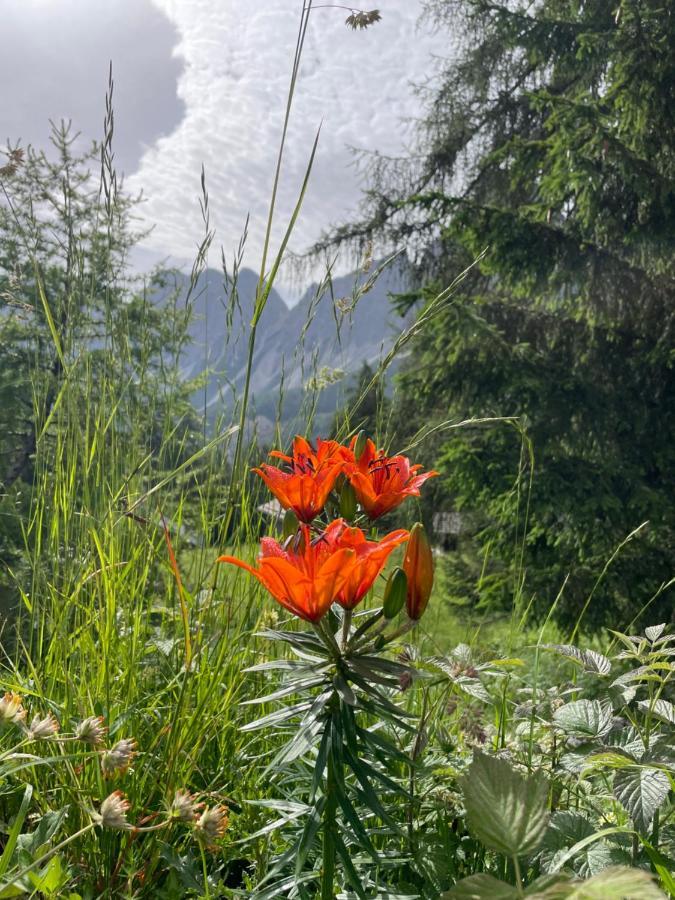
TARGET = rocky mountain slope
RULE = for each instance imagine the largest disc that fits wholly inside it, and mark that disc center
(321, 341)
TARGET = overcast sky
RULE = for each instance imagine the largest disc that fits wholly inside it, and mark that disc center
(204, 82)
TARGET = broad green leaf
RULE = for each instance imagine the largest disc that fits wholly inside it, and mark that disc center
(505, 810)
(590, 660)
(567, 829)
(660, 709)
(615, 883)
(51, 879)
(481, 887)
(641, 791)
(585, 718)
(654, 631)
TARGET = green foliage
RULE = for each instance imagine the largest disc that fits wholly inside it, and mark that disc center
(548, 140)
(505, 810)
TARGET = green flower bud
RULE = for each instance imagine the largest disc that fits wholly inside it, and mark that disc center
(395, 593)
(348, 502)
(418, 565)
(360, 445)
(291, 524)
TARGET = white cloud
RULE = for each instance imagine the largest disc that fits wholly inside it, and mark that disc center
(236, 65)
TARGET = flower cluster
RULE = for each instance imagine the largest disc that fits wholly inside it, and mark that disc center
(336, 563)
(304, 483)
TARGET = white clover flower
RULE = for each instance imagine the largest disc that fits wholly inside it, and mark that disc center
(185, 806)
(113, 811)
(118, 758)
(41, 729)
(212, 824)
(91, 731)
(11, 709)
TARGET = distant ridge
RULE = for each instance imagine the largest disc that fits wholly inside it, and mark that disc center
(301, 340)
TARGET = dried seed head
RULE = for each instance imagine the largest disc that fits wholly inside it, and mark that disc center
(211, 825)
(15, 159)
(362, 19)
(185, 806)
(11, 709)
(113, 812)
(41, 729)
(118, 758)
(91, 731)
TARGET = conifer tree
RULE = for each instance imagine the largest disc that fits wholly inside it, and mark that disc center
(549, 139)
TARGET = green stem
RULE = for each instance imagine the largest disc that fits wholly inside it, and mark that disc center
(329, 813)
(205, 872)
(346, 625)
(519, 879)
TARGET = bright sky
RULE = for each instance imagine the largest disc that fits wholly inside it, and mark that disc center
(203, 82)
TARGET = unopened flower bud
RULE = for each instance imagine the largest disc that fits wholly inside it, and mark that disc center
(418, 565)
(290, 524)
(118, 758)
(360, 444)
(211, 825)
(41, 729)
(395, 593)
(91, 731)
(113, 811)
(11, 709)
(348, 502)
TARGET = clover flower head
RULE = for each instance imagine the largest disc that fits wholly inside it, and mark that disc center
(42, 729)
(91, 731)
(11, 709)
(118, 758)
(113, 811)
(212, 824)
(185, 807)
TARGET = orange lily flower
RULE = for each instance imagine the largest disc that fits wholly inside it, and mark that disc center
(310, 478)
(370, 557)
(418, 565)
(382, 482)
(306, 578)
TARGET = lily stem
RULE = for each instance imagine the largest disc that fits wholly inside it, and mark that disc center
(346, 628)
(329, 813)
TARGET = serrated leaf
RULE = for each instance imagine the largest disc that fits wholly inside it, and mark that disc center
(661, 709)
(627, 739)
(481, 887)
(585, 718)
(567, 829)
(654, 631)
(616, 883)
(590, 660)
(505, 810)
(641, 791)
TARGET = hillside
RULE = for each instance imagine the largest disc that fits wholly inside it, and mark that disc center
(325, 331)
